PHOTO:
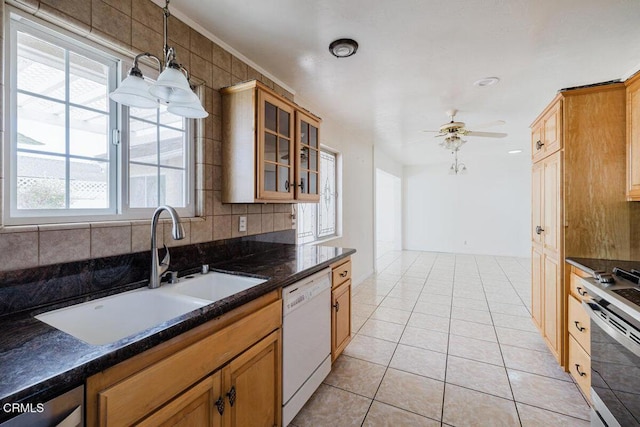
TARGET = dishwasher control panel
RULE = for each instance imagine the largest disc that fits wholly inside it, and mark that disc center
(299, 293)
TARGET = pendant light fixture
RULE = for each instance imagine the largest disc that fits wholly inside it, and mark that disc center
(457, 167)
(172, 87)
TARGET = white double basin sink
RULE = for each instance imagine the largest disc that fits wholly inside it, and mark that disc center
(110, 319)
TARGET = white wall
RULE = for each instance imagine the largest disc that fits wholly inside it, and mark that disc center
(356, 149)
(486, 211)
(388, 200)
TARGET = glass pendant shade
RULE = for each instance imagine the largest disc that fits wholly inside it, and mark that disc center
(171, 86)
(134, 92)
(192, 109)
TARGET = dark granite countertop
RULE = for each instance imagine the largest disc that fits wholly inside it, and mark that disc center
(589, 265)
(39, 362)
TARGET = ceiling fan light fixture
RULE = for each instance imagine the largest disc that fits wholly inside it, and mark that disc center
(487, 81)
(343, 48)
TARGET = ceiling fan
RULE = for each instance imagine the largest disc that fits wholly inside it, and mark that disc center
(453, 131)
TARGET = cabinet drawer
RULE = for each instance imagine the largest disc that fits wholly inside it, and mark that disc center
(579, 324)
(577, 288)
(341, 274)
(580, 366)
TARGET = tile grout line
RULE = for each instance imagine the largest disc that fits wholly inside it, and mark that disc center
(446, 362)
(497, 340)
(394, 350)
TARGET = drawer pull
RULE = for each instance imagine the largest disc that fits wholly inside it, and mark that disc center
(582, 374)
(578, 327)
(336, 306)
(344, 273)
(581, 291)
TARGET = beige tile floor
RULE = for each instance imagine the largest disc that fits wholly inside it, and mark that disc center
(445, 340)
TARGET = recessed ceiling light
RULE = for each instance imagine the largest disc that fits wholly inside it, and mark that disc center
(343, 48)
(514, 151)
(487, 81)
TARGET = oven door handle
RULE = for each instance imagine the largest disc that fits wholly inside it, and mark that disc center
(593, 307)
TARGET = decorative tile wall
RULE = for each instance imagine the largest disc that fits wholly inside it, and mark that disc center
(130, 27)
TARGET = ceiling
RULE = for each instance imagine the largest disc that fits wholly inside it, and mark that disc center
(419, 58)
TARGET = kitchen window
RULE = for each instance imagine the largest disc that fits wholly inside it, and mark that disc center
(319, 221)
(72, 154)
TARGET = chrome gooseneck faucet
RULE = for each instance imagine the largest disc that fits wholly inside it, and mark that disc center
(158, 268)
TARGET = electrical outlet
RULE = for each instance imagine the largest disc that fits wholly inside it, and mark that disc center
(242, 224)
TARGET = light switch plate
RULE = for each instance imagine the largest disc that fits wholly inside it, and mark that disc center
(242, 224)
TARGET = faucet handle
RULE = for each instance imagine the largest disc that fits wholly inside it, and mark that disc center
(164, 264)
(167, 258)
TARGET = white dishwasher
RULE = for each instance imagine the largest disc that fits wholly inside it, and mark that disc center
(306, 342)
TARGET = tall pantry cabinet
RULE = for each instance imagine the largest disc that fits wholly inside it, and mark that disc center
(579, 206)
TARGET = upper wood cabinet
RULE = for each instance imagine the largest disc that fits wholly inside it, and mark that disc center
(271, 147)
(633, 138)
(545, 133)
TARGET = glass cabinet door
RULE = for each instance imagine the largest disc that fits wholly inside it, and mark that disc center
(275, 148)
(307, 157)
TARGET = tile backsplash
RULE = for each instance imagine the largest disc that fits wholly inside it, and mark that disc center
(71, 282)
(131, 27)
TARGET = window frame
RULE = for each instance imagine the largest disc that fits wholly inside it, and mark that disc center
(127, 212)
(338, 204)
(118, 115)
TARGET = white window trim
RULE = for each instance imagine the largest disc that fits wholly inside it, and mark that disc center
(120, 212)
(338, 233)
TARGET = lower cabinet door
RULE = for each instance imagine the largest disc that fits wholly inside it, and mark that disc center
(195, 407)
(340, 318)
(252, 386)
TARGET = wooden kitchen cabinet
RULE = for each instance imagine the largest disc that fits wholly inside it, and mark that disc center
(633, 137)
(252, 385)
(271, 147)
(545, 135)
(546, 246)
(340, 307)
(226, 372)
(579, 332)
(194, 408)
(579, 204)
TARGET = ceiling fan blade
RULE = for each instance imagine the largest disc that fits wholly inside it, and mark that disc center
(486, 134)
(489, 124)
(431, 131)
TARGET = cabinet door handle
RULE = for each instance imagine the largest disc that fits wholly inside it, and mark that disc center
(301, 185)
(581, 292)
(220, 405)
(578, 327)
(582, 374)
(232, 395)
(336, 306)
(539, 229)
(344, 273)
(286, 185)
(539, 145)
